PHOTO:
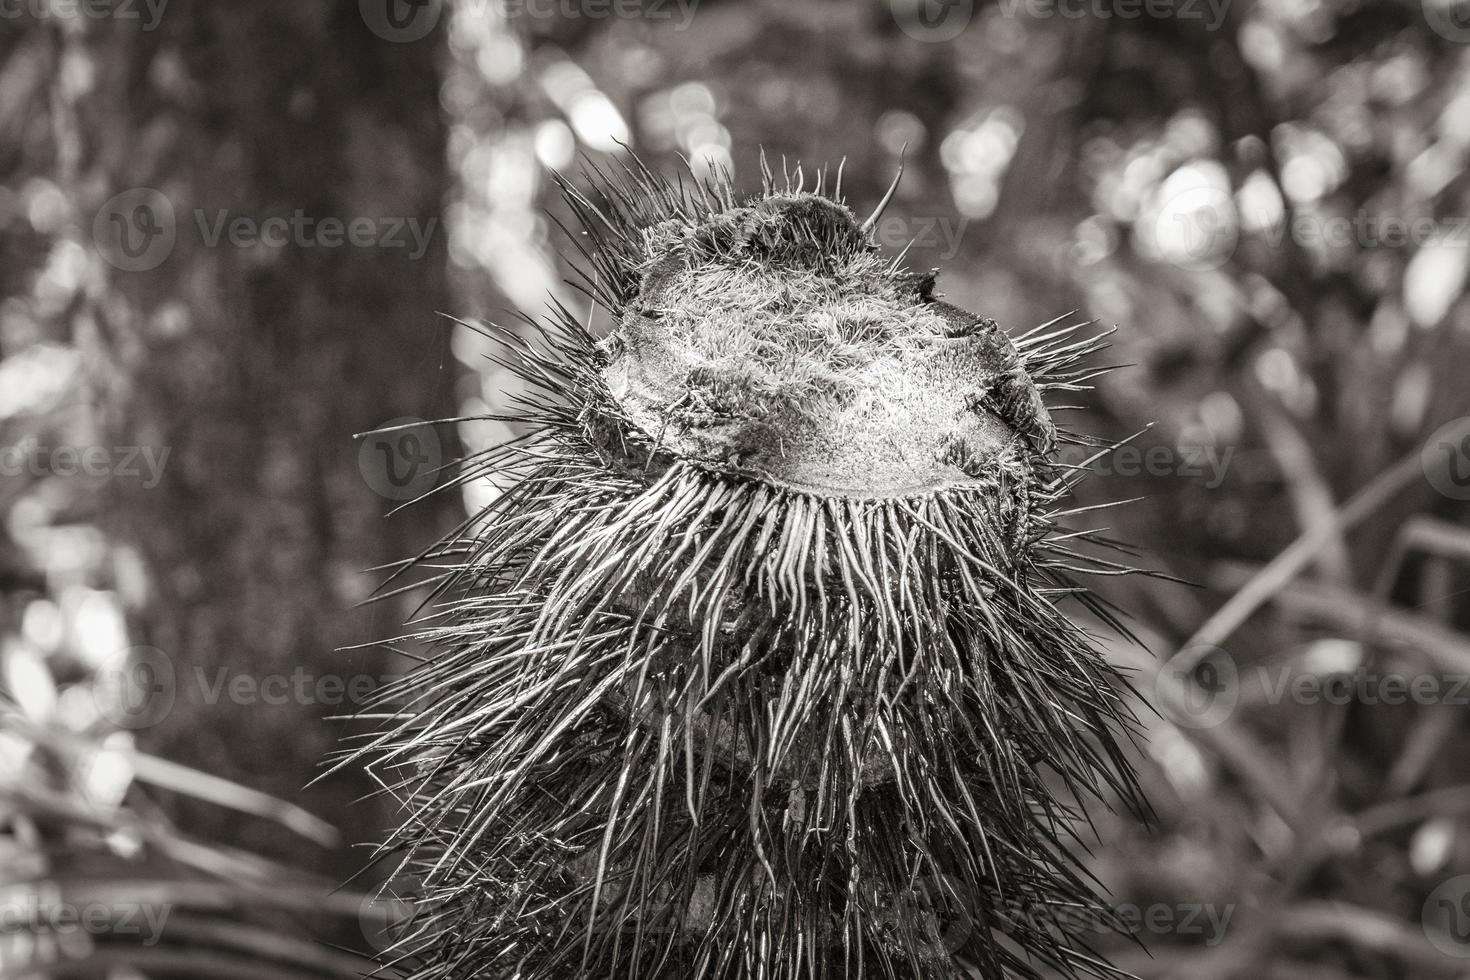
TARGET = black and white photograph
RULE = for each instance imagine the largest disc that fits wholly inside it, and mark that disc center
(735, 489)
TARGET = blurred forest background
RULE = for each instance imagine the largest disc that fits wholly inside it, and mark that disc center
(1268, 197)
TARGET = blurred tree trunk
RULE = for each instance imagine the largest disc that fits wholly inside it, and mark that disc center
(253, 365)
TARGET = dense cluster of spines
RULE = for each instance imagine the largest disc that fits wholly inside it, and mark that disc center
(684, 723)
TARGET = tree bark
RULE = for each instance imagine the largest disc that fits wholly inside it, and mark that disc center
(254, 364)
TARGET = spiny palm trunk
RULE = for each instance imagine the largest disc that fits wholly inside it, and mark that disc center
(755, 668)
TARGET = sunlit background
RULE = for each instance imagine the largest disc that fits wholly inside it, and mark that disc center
(1268, 198)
